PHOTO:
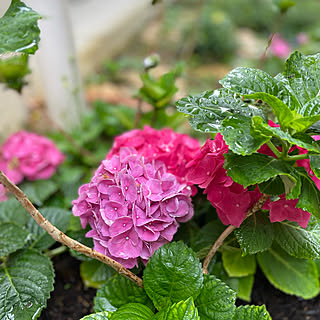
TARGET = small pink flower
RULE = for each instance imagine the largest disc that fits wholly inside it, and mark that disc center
(279, 47)
(133, 206)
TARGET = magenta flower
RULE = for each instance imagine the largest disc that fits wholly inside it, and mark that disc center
(175, 150)
(279, 47)
(133, 206)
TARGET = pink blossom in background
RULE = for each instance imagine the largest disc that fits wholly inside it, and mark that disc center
(133, 206)
(175, 150)
(279, 47)
(302, 38)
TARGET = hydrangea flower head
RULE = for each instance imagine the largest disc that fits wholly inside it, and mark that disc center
(175, 150)
(133, 206)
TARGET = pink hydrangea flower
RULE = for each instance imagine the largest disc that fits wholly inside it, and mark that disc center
(175, 150)
(133, 206)
(279, 47)
(31, 156)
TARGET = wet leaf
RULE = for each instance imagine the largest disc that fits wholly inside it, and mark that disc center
(251, 313)
(132, 311)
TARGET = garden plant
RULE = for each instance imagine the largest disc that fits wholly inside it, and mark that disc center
(165, 227)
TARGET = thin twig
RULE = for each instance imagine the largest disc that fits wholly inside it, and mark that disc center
(59, 236)
(255, 208)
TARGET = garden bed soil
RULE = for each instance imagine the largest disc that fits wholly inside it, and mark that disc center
(70, 300)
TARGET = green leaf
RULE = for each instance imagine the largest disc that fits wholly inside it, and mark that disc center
(236, 265)
(172, 274)
(273, 186)
(98, 316)
(251, 313)
(255, 234)
(290, 274)
(26, 281)
(245, 285)
(19, 31)
(302, 124)
(297, 241)
(256, 168)
(132, 311)
(309, 199)
(60, 218)
(216, 300)
(209, 109)
(315, 164)
(12, 238)
(183, 310)
(94, 273)
(12, 211)
(248, 81)
(240, 136)
(119, 291)
(38, 191)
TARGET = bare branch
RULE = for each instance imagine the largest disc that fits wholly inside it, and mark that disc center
(59, 236)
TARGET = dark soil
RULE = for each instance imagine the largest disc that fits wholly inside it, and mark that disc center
(70, 300)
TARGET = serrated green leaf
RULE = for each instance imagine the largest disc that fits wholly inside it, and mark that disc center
(12, 238)
(38, 191)
(251, 313)
(12, 211)
(19, 29)
(290, 274)
(237, 265)
(309, 198)
(245, 285)
(216, 300)
(255, 168)
(299, 242)
(248, 81)
(302, 124)
(60, 218)
(98, 316)
(183, 310)
(315, 164)
(239, 135)
(117, 292)
(132, 311)
(255, 234)
(172, 274)
(273, 186)
(94, 273)
(207, 110)
(26, 281)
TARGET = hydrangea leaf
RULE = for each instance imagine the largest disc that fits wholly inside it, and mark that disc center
(183, 310)
(289, 274)
(98, 316)
(60, 218)
(117, 292)
(251, 313)
(240, 136)
(256, 168)
(132, 311)
(299, 242)
(255, 234)
(245, 285)
(216, 300)
(26, 280)
(303, 75)
(172, 274)
(309, 199)
(12, 211)
(315, 164)
(237, 265)
(273, 186)
(302, 124)
(38, 191)
(94, 273)
(209, 109)
(12, 238)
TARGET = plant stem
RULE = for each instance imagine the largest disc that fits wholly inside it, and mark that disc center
(274, 149)
(297, 157)
(54, 252)
(255, 208)
(59, 236)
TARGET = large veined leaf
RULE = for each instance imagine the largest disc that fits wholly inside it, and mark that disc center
(98, 316)
(251, 313)
(290, 274)
(117, 292)
(255, 234)
(26, 281)
(207, 110)
(297, 241)
(12, 211)
(12, 238)
(60, 218)
(172, 274)
(216, 300)
(132, 311)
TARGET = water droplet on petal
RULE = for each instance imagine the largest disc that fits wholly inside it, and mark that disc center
(127, 238)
